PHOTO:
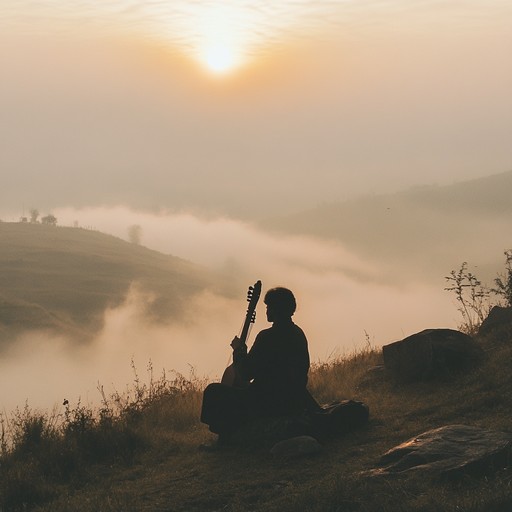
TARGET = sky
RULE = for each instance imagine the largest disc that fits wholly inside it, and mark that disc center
(192, 118)
(248, 108)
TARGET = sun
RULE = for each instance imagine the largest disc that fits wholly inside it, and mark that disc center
(220, 59)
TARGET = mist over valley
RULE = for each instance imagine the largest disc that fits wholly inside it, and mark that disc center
(87, 303)
(420, 233)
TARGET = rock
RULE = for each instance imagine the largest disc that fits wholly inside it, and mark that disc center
(448, 452)
(430, 353)
(498, 322)
(339, 418)
(296, 447)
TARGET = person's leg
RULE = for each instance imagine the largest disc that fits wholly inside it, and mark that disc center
(224, 409)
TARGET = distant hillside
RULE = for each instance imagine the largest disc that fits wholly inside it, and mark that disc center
(63, 278)
(426, 228)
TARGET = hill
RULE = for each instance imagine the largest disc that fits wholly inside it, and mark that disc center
(144, 455)
(63, 279)
(422, 231)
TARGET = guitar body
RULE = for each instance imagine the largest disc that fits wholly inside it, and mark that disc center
(230, 377)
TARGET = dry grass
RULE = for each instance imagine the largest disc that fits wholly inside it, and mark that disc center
(139, 452)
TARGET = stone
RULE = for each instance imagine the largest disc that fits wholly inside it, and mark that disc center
(339, 418)
(430, 353)
(448, 451)
(299, 446)
(498, 322)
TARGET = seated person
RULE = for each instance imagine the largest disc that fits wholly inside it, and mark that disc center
(275, 373)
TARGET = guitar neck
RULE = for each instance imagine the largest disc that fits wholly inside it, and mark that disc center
(245, 330)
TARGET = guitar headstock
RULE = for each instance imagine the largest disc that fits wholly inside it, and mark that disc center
(253, 295)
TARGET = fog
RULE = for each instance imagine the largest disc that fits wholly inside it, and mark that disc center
(343, 302)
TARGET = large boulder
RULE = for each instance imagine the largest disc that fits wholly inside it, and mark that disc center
(498, 323)
(448, 451)
(430, 353)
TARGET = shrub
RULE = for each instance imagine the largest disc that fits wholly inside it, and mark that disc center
(503, 282)
(472, 297)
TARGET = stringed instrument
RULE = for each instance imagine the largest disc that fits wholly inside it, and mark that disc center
(230, 376)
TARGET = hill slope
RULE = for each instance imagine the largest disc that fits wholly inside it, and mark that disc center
(64, 278)
(148, 459)
(426, 229)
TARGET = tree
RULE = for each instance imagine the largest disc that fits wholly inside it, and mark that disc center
(134, 234)
(34, 214)
(49, 219)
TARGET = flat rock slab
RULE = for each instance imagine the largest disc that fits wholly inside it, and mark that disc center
(448, 451)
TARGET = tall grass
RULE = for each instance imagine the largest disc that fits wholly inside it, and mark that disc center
(42, 450)
(344, 377)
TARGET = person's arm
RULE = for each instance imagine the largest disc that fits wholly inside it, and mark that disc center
(246, 361)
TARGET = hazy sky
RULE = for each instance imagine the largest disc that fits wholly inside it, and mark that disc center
(248, 107)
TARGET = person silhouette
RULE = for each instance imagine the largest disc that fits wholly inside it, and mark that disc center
(275, 373)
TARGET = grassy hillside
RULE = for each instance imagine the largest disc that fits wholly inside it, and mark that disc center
(140, 452)
(63, 278)
(426, 229)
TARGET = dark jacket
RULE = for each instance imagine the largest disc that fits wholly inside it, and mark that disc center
(277, 366)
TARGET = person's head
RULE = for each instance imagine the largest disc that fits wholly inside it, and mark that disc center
(280, 303)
